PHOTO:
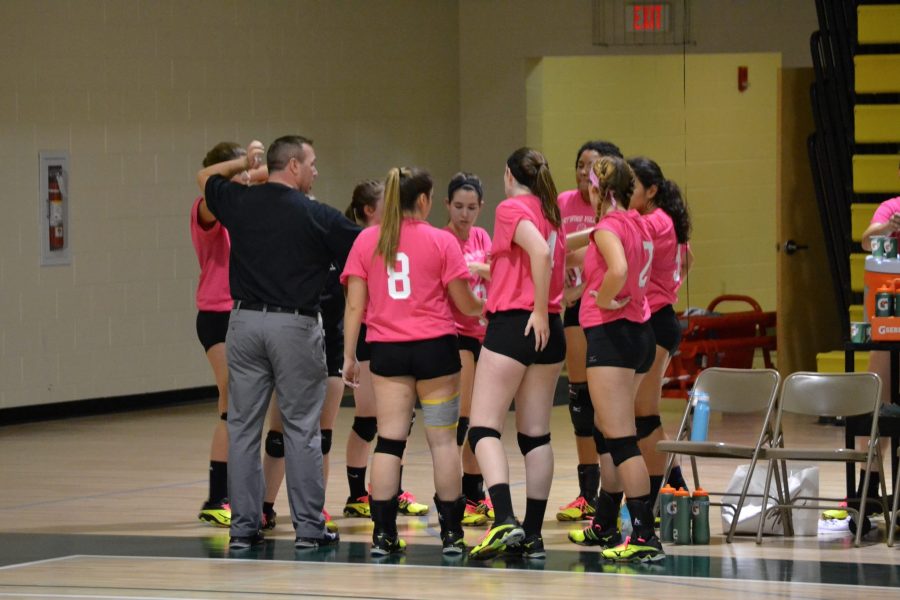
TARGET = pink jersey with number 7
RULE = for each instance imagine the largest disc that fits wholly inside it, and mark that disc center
(668, 256)
(631, 230)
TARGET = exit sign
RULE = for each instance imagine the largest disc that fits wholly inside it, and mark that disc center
(650, 17)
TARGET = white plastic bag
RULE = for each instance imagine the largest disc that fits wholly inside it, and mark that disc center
(803, 481)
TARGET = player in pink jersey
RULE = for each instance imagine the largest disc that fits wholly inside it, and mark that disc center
(665, 212)
(465, 198)
(414, 351)
(523, 353)
(620, 350)
(885, 221)
(579, 215)
(212, 245)
(366, 208)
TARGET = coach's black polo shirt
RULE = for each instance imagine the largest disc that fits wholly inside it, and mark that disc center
(282, 243)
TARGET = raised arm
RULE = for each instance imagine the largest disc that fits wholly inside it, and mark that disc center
(230, 168)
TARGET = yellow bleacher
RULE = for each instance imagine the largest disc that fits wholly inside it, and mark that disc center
(875, 173)
(877, 73)
(878, 24)
(876, 123)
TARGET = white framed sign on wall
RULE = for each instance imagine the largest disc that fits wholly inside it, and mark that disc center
(55, 204)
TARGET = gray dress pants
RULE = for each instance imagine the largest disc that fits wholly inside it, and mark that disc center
(284, 352)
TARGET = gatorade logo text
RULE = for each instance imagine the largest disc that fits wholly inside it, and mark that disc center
(884, 329)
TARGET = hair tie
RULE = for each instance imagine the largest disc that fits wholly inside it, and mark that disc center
(611, 197)
(595, 181)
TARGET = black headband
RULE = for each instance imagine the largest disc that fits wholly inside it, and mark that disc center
(461, 183)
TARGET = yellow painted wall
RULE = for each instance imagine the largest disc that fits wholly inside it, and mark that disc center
(686, 113)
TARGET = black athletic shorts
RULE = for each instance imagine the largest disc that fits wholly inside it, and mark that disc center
(212, 327)
(471, 344)
(421, 359)
(622, 343)
(363, 349)
(666, 328)
(570, 317)
(505, 336)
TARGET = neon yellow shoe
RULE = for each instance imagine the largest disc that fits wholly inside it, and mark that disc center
(497, 539)
(486, 507)
(358, 508)
(591, 536)
(217, 514)
(407, 505)
(578, 509)
(473, 518)
(330, 525)
(838, 515)
(636, 550)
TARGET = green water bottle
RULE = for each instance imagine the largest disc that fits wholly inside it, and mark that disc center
(681, 527)
(700, 517)
(666, 512)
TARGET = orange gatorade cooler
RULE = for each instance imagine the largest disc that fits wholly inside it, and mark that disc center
(880, 273)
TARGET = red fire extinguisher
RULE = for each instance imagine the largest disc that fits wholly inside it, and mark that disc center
(55, 199)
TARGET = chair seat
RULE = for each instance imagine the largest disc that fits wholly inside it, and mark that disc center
(705, 449)
(824, 454)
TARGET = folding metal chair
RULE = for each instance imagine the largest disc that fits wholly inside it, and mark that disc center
(892, 524)
(824, 395)
(744, 391)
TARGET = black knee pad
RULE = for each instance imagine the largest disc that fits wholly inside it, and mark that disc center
(275, 444)
(581, 411)
(365, 427)
(462, 427)
(646, 425)
(599, 442)
(326, 441)
(528, 443)
(621, 449)
(388, 446)
(224, 416)
(476, 434)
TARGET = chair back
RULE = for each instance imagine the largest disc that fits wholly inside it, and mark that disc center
(738, 390)
(831, 394)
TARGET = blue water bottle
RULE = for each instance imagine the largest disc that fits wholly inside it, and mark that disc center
(700, 424)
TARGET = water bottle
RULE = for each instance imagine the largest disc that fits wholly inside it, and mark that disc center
(700, 424)
(666, 512)
(700, 517)
(625, 520)
(681, 528)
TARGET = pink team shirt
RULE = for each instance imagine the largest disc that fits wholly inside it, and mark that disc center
(475, 249)
(512, 287)
(665, 272)
(411, 303)
(631, 230)
(212, 247)
(576, 213)
(884, 211)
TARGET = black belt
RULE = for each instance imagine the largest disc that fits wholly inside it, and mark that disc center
(274, 308)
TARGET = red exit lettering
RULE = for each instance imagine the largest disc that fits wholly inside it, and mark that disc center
(647, 17)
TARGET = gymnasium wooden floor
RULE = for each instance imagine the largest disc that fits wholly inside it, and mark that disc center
(105, 507)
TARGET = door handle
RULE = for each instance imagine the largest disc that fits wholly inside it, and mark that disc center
(791, 247)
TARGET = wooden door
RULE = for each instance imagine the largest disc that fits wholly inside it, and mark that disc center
(807, 319)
